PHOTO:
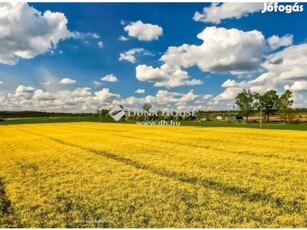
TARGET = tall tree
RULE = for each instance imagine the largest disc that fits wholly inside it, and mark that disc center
(245, 102)
(269, 103)
(284, 103)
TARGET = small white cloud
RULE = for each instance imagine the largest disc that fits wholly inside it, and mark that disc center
(96, 36)
(84, 36)
(144, 31)
(130, 54)
(97, 83)
(122, 22)
(139, 91)
(123, 38)
(100, 44)
(24, 89)
(109, 78)
(1, 82)
(276, 42)
(219, 11)
(67, 81)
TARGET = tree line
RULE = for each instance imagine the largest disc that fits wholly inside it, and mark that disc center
(29, 114)
(269, 103)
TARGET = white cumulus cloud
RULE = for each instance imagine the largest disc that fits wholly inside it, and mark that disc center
(143, 31)
(130, 54)
(105, 95)
(67, 81)
(222, 50)
(284, 69)
(41, 95)
(165, 76)
(24, 91)
(26, 32)
(276, 42)
(109, 78)
(139, 91)
(220, 11)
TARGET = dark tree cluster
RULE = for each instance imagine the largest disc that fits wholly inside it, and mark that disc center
(269, 103)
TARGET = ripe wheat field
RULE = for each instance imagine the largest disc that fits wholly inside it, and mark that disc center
(118, 175)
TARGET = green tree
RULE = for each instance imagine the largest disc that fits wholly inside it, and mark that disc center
(284, 103)
(245, 102)
(269, 103)
(147, 107)
(199, 114)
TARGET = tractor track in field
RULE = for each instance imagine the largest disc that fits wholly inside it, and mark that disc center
(234, 152)
(244, 193)
(244, 153)
(6, 208)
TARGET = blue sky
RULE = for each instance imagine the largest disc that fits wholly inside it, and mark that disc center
(71, 61)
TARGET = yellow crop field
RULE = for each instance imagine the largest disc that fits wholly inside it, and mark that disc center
(123, 175)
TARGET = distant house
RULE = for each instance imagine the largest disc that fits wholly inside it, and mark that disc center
(219, 118)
